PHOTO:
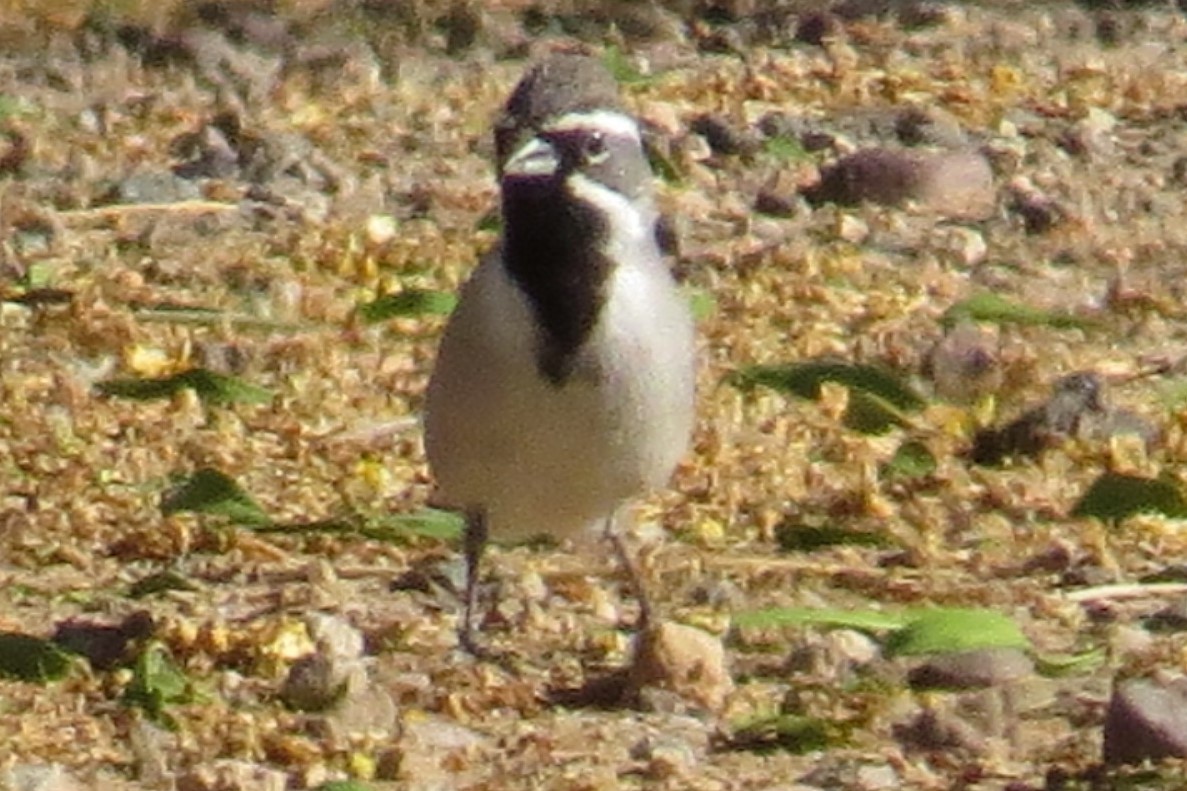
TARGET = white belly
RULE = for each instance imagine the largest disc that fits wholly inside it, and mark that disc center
(541, 458)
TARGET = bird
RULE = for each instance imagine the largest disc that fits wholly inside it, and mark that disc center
(564, 383)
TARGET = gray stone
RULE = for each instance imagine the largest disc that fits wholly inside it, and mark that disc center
(1146, 719)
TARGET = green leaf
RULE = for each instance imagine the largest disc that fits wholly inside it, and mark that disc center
(807, 538)
(867, 413)
(994, 309)
(862, 620)
(619, 64)
(12, 106)
(393, 528)
(805, 380)
(211, 387)
(786, 148)
(912, 460)
(157, 682)
(786, 732)
(953, 630)
(1114, 496)
(209, 491)
(663, 164)
(1173, 393)
(702, 303)
(1060, 665)
(408, 303)
(426, 523)
(159, 583)
(342, 785)
(27, 658)
(491, 221)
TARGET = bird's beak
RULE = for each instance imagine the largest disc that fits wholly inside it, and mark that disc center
(537, 157)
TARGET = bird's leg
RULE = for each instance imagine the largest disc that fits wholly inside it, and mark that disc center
(633, 572)
(474, 543)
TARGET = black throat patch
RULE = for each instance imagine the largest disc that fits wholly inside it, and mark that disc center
(553, 249)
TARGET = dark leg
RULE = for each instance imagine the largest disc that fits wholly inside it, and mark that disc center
(474, 542)
(634, 575)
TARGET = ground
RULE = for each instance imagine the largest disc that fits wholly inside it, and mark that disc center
(210, 187)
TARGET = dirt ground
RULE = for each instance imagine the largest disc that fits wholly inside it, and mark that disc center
(229, 187)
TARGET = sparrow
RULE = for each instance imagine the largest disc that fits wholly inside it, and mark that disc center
(564, 382)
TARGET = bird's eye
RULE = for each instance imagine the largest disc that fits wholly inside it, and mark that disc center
(594, 148)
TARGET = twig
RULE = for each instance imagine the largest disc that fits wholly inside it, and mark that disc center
(1132, 590)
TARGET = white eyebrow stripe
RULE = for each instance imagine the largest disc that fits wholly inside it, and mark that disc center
(607, 121)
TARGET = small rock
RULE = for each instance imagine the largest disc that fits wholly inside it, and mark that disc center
(853, 229)
(224, 357)
(152, 746)
(918, 126)
(230, 775)
(781, 124)
(958, 185)
(986, 667)
(1128, 643)
(1178, 174)
(933, 731)
(335, 636)
(775, 202)
(954, 184)
(154, 187)
(1039, 213)
(684, 660)
(914, 15)
(313, 683)
(207, 154)
(835, 655)
(722, 137)
(780, 195)
(1171, 618)
(105, 646)
(693, 148)
(15, 151)
(964, 365)
(876, 778)
(366, 709)
(432, 750)
(381, 229)
(1075, 400)
(818, 28)
(37, 777)
(967, 245)
(1146, 719)
(666, 758)
(1092, 136)
(734, 39)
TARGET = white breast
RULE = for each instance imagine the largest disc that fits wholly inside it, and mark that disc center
(541, 458)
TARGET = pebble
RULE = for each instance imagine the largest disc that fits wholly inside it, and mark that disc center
(683, 660)
(932, 126)
(986, 667)
(666, 758)
(155, 187)
(721, 136)
(933, 730)
(965, 364)
(37, 777)
(429, 750)
(965, 244)
(1146, 719)
(334, 680)
(951, 184)
(232, 776)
